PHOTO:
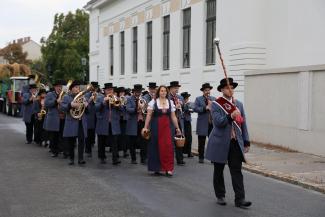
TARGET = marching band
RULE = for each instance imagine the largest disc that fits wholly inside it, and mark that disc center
(157, 121)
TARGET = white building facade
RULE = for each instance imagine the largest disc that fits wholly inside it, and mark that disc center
(137, 41)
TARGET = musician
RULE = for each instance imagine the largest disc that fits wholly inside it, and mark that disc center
(204, 121)
(91, 98)
(74, 128)
(135, 123)
(152, 88)
(25, 89)
(178, 102)
(54, 124)
(39, 105)
(107, 124)
(187, 111)
(122, 138)
(228, 142)
(28, 113)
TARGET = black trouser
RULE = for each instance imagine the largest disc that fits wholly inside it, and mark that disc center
(235, 159)
(138, 141)
(112, 140)
(30, 130)
(122, 139)
(102, 140)
(54, 141)
(62, 142)
(188, 138)
(81, 143)
(90, 141)
(201, 140)
(39, 133)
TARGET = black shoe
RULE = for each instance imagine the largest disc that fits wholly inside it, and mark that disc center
(81, 162)
(54, 155)
(201, 161)
(190, 156)
(134, 162)
(143, 162)
(126, 155)
(28, 142)
(181, 163)
(221, 201)
(65, 156)
(89, 155)
(103, 161)
(71, 162)
(116, 162)
(243, 203)
(156, 174)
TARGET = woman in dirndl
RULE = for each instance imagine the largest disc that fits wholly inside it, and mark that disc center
(160, 117)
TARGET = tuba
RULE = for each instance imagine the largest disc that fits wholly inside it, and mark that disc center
(77, 113)
(62, 93)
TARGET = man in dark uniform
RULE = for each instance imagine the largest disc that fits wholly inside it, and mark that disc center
(28, 114)
(122, 139)
(54, 124)
(91, 97)
(178, 101)
(107, 124)
(39, 105)
(134, 125)
(204, 121)
(74, 128)
(187, 110)
(228, 142)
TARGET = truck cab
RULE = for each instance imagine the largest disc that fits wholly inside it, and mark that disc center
(13, 99)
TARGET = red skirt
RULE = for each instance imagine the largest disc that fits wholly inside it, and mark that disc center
(166, 151)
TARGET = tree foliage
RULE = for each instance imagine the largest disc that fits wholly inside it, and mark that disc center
(67, 44)
(13, 53)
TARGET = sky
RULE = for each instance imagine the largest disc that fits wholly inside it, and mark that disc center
(34, 18)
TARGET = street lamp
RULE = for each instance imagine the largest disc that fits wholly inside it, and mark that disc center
(84, 63)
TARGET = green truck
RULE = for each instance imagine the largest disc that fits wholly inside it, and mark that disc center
(10, 95)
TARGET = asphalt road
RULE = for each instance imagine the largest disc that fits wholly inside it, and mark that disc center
(32, 184)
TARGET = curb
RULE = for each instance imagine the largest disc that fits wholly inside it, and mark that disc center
(282, 177)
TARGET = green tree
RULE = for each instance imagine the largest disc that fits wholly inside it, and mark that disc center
(67, 44)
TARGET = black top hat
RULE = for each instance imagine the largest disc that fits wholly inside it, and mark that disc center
(73, 84)
(120, 89)
(32, 86)
(108, 86)
(206, 85)
(41, 91)
(115, 88)
(223, 83)
(174, 84)
(59, 82)
(185, 95)
(152, 85)
(94, 84)
(137, 87)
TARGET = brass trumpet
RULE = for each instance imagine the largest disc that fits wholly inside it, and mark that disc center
(143, 105)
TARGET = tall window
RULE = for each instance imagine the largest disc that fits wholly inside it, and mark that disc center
(135, 49)
(186, 37)
(211, 31)
(166, 33)
(122, 53)
(149, 46)
(112, 54)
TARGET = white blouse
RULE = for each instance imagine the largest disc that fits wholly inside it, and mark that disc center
(152, 104)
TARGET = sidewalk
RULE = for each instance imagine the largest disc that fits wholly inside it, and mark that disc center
(305, 170)
(302, 169)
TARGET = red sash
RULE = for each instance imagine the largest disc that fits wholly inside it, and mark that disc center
(229, 108)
